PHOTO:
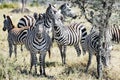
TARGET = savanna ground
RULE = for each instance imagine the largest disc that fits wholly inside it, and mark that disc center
(18, 69)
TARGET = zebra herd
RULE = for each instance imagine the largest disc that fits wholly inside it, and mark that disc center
(34, 31)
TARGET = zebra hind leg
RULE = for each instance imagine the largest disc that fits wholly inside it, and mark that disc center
(89, 62)
(77, 48)
(21, 48)
(15, 50)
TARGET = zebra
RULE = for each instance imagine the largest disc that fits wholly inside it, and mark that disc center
(38, 41)
(67, 35)
(28, 20)
(114, 31)
(66, 11)
(16, 36)
(92, 46)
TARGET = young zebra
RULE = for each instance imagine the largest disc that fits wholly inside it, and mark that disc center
(73, 34)
(15, 35)
(38, 41)
(91, 45)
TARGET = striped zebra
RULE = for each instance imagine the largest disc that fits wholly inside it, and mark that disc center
(16, 36)
(66, 11)
(28, 20)
(38, 41)
(91, 45)
(73, 34)
(114, 31)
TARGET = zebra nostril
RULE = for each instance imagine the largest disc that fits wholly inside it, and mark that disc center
(4, 29)
(38, 35)
(74, 17)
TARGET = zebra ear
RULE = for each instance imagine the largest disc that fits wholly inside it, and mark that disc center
(50, 5)
(4, 16)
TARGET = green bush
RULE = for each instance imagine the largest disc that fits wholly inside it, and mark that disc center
(9, 5)
(34, 3)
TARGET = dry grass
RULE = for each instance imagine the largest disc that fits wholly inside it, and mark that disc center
(17, 69)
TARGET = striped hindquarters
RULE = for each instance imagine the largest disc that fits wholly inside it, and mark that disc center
(27, 20)
(115, 32)
(91, 42)
(17, 36)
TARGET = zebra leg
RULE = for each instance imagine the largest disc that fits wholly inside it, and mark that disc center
(77, 48)
(99, 66)
(33, 62)
(89, 62)
(10, 50)
(42, 63)
(31, 65)
(15, 50)
(62, 52)
(21, 48)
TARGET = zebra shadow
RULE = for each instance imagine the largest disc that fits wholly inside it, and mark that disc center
(78, 68)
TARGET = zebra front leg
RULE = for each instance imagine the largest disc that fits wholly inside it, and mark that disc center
(77, 48)
(89, 62)
(15, 50)
(33, 62)
(62, 52)
(42, 63)
(10, 49)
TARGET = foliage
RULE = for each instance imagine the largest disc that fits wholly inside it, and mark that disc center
(34, 3)
(9, 5)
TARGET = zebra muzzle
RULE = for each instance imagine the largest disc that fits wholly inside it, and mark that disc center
(4, 29)
(39, 35)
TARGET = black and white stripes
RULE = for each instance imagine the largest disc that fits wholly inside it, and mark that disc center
(38, 41)
(15, 35)
(67, 35)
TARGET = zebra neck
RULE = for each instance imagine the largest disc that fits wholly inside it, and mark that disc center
(10, 28)
(48, 22)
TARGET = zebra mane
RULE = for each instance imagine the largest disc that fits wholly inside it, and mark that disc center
(62, 6)
(8, 17)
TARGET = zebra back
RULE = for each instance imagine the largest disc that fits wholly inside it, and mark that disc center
(26, 20)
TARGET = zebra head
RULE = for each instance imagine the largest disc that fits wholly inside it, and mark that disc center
(67, 11)
(51, 10)
(8, 25)
(105, 56)
(39, 30)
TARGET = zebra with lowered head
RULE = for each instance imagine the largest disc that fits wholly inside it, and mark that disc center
(91, 45)
(15, 35)
(73, 34)
(38, 41)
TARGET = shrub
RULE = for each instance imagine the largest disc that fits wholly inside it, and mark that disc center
(9, 5)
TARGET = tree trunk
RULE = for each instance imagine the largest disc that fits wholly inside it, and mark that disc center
(23, 5)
